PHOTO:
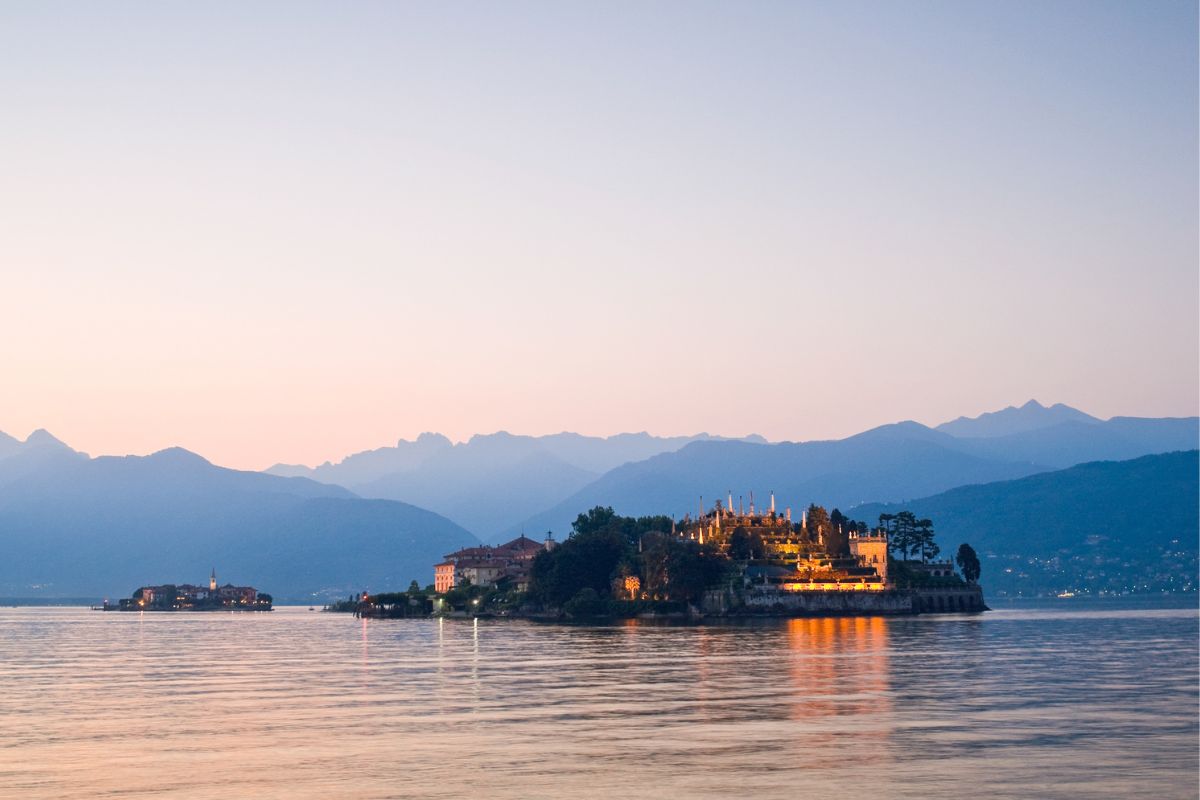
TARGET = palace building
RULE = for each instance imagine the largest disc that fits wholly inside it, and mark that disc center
(792, 556)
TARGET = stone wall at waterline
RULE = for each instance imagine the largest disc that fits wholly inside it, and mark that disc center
(773, 602)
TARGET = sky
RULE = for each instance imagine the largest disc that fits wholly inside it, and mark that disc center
(291, 231)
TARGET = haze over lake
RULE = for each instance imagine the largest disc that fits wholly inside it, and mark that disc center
(1078, 700)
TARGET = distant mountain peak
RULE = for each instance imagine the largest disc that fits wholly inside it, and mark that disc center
(1031, 416)
(178, 455)
(906, 429)
(43, 438)
(40, 444)
(9, 445)
(429, 437)
(288, 470)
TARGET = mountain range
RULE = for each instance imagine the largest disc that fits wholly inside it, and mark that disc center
(499, 485)
(1030, 417)
(1106, 526)
(491, 483)
(75, 525)
(891, 463)
(71, 525)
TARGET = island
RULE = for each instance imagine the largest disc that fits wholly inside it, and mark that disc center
(726, 561)
(187, 597)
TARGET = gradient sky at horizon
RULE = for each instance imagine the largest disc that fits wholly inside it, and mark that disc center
(290, 231)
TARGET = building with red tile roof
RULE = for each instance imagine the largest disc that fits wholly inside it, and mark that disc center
(486, 565)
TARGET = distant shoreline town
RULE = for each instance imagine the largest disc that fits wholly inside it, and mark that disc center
(188, 597)
(726, 562)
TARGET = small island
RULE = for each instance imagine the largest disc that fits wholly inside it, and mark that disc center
(186, 597)
(727, 561)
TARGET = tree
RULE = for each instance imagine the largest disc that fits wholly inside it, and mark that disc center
(923, 540)
(693, 569)
(414, 587)
(837, 541)
(758, 548)
(887, 524)
(585, 603)
(739, 545)
(816, 519)
(594, 520)
(588, 559)
(968, 562)
(602, 518)
(902, 532)
(933, 551)
(679, 570)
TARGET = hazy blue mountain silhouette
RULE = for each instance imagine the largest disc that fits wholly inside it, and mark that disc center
(1127, 512)
(888, 463)
(41, 451)
(1073, 442)
(485, 494)
(893, 461)
(599, 455)
(39, 443)
(1060, 436)
(497, 485)
(1030, 417)
(77, 526)
(492, 482)
(9, 445)
(369, 465)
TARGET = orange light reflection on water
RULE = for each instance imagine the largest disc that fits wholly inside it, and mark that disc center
(840, 666)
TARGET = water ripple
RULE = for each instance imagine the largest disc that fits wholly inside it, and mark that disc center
(295, 704)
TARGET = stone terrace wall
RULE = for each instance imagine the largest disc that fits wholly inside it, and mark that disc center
(773, 602)
(826, 603)
(933, 601)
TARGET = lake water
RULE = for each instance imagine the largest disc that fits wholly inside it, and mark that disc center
(297, 704)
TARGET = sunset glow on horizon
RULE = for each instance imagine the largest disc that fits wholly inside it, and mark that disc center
(287, 233)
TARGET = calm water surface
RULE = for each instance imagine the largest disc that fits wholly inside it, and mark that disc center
(299, 704)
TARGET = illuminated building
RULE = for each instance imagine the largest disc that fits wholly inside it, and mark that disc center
(802, 556)
(188, 597)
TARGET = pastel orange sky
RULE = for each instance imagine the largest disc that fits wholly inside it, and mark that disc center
(289, 233)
